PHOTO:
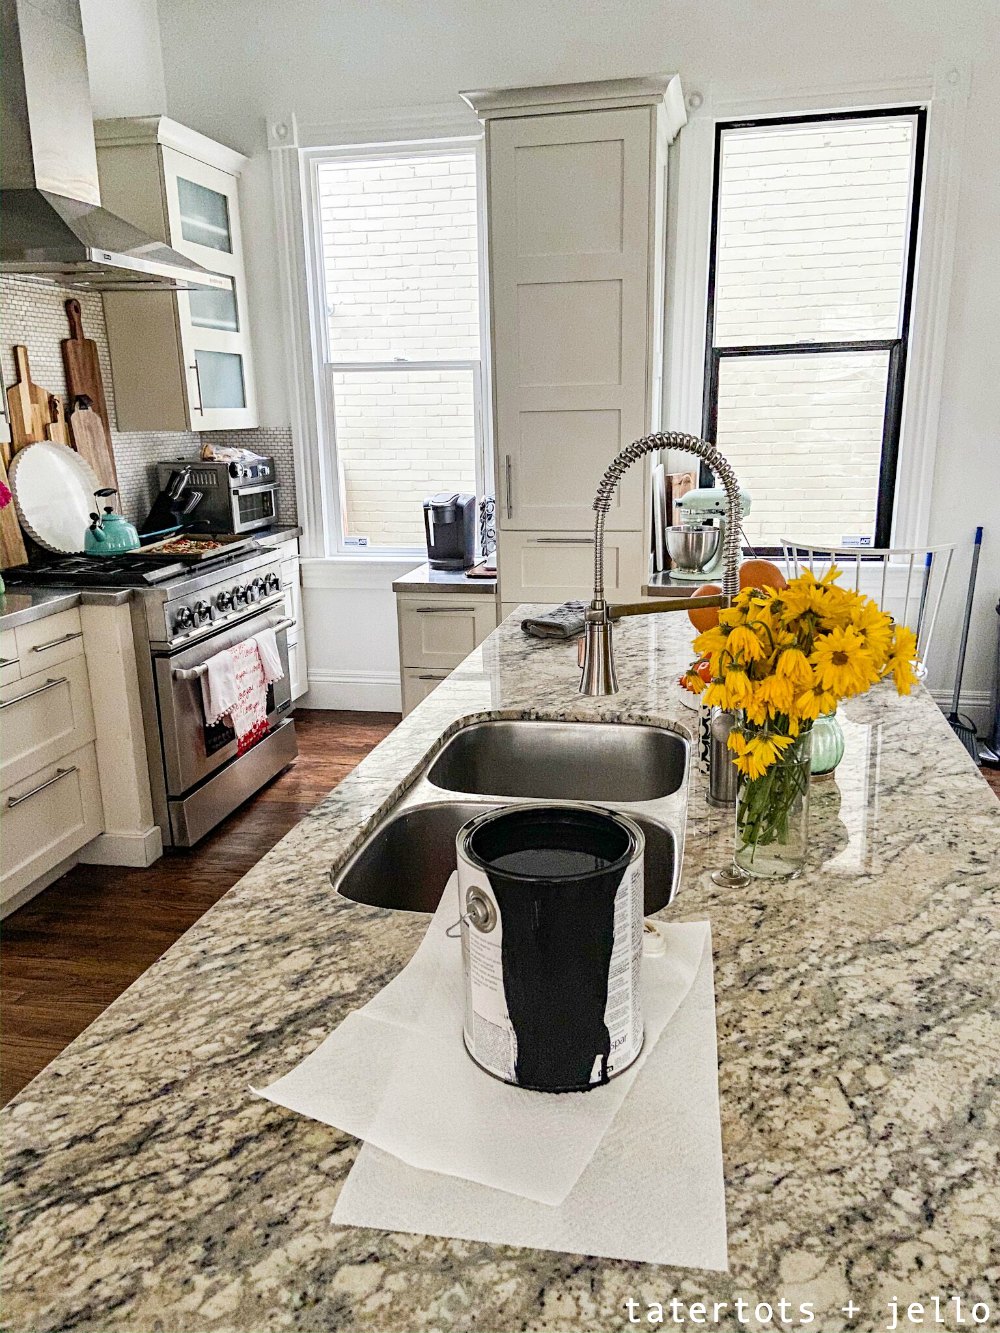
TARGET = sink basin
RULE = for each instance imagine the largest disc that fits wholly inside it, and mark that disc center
(406, 862)
(605, 762)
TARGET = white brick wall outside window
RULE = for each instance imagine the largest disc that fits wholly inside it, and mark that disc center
(398, 235)
(811, 247)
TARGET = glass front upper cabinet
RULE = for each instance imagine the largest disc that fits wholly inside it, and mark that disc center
(204, 215)
(192, 345)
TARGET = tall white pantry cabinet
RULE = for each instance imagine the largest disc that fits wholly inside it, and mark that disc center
(576, 193)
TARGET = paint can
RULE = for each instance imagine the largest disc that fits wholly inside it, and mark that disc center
(552, 900)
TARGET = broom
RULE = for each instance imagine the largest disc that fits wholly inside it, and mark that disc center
(962, 727)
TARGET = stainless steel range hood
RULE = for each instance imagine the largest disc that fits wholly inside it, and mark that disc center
(52, 226)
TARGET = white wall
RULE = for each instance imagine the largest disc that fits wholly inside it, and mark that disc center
(124, 57)
(229, 65)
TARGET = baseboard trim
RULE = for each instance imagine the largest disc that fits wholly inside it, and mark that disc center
(124, 849)
(354, 691)
(977, 705)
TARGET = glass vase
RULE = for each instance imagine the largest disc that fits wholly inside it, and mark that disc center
(827, 744)
(772, 815)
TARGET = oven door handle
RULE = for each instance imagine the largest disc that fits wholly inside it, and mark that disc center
(195, 673)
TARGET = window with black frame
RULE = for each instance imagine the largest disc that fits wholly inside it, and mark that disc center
(814, 229)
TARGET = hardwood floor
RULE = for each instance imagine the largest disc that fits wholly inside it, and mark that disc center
(992, 776)
(72, 950)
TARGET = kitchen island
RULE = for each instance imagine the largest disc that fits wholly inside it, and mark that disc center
(858, 1026)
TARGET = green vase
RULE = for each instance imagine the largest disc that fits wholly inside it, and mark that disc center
(827, 744)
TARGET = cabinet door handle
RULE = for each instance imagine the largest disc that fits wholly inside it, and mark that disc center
(440, 675)
(60, 773)
(442, 610)
(563, 541)
(510, 500)
(39, 689)
(197, 380)
(8, 661)
(54, 643)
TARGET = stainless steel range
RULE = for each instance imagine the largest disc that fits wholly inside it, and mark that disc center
(181, 616)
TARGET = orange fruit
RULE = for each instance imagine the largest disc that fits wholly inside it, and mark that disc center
(761, 574)
(705, 617)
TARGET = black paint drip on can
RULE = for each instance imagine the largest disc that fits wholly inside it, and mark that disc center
(552, 903)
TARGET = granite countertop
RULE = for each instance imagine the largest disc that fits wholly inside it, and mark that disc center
(858, 1024)
(425, 579)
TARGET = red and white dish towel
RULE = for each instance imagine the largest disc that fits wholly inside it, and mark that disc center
(234, 686)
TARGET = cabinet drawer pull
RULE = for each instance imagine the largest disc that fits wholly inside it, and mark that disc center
(8, 661)
(442, 610)
(39, 689)
(60, 773)
(434, 675)
(54, 643)
(563, 541)
(510, 501)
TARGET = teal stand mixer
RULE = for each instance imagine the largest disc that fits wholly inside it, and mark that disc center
(695, 544)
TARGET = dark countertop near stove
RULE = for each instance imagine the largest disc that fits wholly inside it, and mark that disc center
(424, 579)
(21, 605)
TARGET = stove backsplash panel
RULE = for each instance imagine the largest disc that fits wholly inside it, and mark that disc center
(36, 316)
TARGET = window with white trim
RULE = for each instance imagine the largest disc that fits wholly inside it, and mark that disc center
(814, 234)
(396, 231)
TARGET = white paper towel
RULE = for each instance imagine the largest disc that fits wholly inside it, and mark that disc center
(396, 1074)
(653, 1192)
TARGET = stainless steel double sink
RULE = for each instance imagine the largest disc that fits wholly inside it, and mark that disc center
(639, 770)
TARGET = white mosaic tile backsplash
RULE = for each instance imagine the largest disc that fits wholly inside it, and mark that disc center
(35, 315)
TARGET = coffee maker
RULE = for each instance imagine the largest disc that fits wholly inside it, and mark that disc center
(450, 528)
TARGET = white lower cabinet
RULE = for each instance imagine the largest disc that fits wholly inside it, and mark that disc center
(47, 817)
(292, 587)
(10, 666)
(44, 716)
(548, 568)
(417, 685)
(436, 632)
(50, 790)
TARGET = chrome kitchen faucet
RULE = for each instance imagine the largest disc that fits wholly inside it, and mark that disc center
(599, 662)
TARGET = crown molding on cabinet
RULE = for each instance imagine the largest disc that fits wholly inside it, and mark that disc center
(554, 98)
(126, 132)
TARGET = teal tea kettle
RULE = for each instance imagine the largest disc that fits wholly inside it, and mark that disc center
(109, 533)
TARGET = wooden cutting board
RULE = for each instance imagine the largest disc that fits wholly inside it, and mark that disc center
(12, 550)
(58, 427)
(91, 441)
(27, 405)
(83, 368)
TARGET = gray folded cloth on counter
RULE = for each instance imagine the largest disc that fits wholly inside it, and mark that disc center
(565, 622)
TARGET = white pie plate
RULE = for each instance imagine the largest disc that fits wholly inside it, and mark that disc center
(53, 489)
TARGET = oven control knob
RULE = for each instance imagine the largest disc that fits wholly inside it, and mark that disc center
(271, 583)
(256, 590)
(224, 601)
(202, 613)
(239, 597)
(184, 619)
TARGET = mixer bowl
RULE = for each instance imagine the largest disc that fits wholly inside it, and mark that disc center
(693, 548)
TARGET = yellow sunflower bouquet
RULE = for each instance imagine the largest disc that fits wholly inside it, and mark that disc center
(778, 659)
